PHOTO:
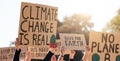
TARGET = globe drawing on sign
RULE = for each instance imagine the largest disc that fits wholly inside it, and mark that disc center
(52, 39)
(118, 58)
(95, 57)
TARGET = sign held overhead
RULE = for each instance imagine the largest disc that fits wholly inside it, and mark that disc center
(73, 41)
(38, 23)
(104, 46)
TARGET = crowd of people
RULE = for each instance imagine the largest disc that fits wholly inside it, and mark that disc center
(74, 55)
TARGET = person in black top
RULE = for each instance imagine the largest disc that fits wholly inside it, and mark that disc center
(78, 55)
(75, 55)
(18, 50)
(49, 55)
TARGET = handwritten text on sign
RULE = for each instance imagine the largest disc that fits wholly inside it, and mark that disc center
(7, 53)
(105, 46)
(37, 24)
(73, 41)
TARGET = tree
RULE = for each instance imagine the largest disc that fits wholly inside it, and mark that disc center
(114, 24)
(77, 23)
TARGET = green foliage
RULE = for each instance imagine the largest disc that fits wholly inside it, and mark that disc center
(114, 24)
(77, 23)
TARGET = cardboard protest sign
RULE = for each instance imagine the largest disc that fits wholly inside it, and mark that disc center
(7, 53)
(73, 41)
(104, 46)
(37, 27)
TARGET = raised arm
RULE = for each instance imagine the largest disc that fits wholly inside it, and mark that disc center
(49, 55)
(18, 50)
(87, 54)
(61, 57)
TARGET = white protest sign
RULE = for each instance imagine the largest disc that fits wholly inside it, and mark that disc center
(104, 46)
(37, 27)
(73, 41)
(7, 53)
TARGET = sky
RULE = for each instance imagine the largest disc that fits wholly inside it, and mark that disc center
(101, 11)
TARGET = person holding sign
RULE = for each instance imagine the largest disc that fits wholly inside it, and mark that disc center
(18, 51)
(65, 57)
(73, 57)
(50, 55)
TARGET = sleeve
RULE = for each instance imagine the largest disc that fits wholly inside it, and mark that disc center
(78, 56)
(16, 55)
(48, 56)
(66, 57)
(71, 59)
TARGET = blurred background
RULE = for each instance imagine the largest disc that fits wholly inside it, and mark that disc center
(74, 16)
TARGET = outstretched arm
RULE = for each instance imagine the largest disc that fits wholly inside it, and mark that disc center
(49, 55)
(18, 50)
